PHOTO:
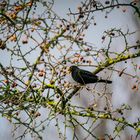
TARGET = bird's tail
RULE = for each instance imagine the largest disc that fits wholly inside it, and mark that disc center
(105, 81)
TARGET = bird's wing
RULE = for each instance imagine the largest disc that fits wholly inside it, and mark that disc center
(87, 76)
(87, 73)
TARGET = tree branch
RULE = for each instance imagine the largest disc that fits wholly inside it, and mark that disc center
(108, 63)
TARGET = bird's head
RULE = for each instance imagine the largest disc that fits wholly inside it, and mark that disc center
(73, 68)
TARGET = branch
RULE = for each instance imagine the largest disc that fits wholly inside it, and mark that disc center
(8, 18)
(111, 61)
(91, 114)
(112, 6)
(103, 116)
(63, 102)
(108, 63)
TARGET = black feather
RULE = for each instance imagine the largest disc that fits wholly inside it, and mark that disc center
(85, 77)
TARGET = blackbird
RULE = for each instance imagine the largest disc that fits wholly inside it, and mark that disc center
(85, 77)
